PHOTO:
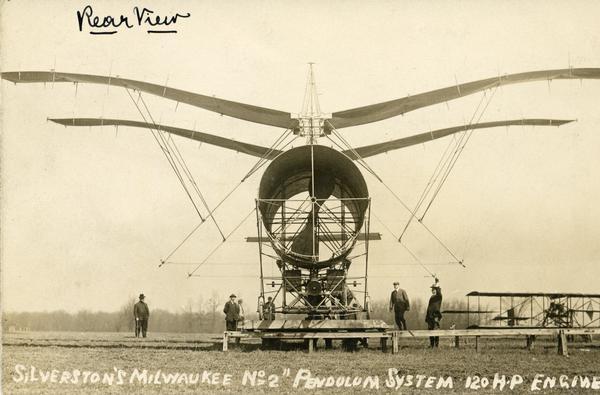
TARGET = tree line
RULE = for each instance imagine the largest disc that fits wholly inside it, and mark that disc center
(201, 317)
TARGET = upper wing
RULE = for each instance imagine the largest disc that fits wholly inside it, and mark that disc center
(370, 150)
(392, 108)
(250, 149)
(247, 112)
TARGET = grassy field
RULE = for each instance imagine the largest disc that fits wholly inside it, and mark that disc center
(36, 363)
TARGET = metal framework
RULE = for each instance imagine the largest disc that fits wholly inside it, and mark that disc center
(338, 291)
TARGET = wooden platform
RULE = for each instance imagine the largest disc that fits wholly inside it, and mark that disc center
(311, 338)
(314, 325)
(325, 331)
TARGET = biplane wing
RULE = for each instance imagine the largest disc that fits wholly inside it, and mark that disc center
(380, 111)
(375, 149)
(247, 112)
(509, 318)
(469, 311)
(534, 294)
(246, 148)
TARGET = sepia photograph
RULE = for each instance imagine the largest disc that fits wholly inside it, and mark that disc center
(296, 197)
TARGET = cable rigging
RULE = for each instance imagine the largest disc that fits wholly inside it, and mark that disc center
(446, 163)
(166, 150)
(366, 166)
(279, 144)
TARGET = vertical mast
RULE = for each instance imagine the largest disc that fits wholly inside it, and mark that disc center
(311, 118)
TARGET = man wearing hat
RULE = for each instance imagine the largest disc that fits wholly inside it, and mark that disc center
(399, 303)
(434, 313)
(232, 313)
(269, 309)
(141, 314)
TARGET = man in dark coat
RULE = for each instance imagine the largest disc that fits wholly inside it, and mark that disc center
(399, 304)
(269, 309)
(232, 313)
(434, 313)
(141, 314)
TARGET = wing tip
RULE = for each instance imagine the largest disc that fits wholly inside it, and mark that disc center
(61, 121)
(12, 76)
(560, 122)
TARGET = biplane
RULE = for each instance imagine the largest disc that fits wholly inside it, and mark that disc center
(313, 202)
(496, 310)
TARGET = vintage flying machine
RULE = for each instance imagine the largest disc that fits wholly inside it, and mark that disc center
(497, 310)
(313, 203)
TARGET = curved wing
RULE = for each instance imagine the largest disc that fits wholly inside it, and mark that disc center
(375, 149)
(392, 108)
(247, 112)
(250, 149)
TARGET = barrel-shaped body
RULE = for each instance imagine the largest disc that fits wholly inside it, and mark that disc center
(320, 175)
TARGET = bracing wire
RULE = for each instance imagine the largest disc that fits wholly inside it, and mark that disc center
(438, 170)
(365, 165)
(168, 156)
(261, 162)
(415, 257)
(190, 274)
(170, 150)
(179, 158)
(456, 156)
(447, 163)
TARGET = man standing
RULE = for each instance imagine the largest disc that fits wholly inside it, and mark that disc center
(141, 314)
(269, 309)
(232, 313)
(242, 315)
(434, 313)
(399, 303)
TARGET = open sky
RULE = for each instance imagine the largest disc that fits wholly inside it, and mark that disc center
(87, 214)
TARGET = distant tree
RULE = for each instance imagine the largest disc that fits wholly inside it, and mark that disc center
(208, 319)
(214, 306)
(188, 316)
(124, 320)
(200, 304)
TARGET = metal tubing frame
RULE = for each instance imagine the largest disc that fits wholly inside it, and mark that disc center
(286, 287)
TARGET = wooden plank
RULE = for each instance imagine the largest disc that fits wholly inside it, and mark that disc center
(313, 325)
(530, 342)
(396, 335)
(384, 344)
(477, 332)
(242, 334)
(324, 335)
(562, 344)
(456, 333)
(582, 331)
